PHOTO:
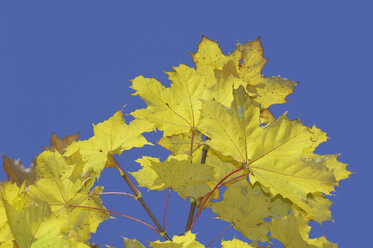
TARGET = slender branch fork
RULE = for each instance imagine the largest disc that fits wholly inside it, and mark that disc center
(208, 195)
(139, 198)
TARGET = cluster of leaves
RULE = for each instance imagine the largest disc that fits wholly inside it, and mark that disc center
(222, 137)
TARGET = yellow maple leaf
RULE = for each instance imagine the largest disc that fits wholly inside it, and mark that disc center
(221, 166)
(112, 136)
(279, 165)
(132, 243)
(246, 63)
(61, 192)
(180, 144)
(51, 164)
(276, 154)
(235, 243)
(246, 207)
(232, 128)
(188, 240)
(15, 195)
(210, 58)
(175, 109)
(36, 226)
(292, 231)
(177, 172)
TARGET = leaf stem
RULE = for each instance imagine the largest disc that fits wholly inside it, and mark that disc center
(191, 143)
(233, 179)
(165, 209)
(217, 236)
(112, 212)
(115, 193)
(139, 198)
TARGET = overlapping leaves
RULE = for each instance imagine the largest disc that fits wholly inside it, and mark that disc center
(217, 125)
(226, 98)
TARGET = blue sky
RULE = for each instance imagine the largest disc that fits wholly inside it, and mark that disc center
(65, 65)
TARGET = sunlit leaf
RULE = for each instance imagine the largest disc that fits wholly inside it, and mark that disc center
(176, 109)
(132, 243)
(246, 207)
(278, 155)
(188, 240)
(177, 172)
(292, 231)
(234, 243)
(110, 137)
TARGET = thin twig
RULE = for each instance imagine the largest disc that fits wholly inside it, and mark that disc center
(225, 229)
(112, 212)
(139, 198)
(194, 203)
(191, 215)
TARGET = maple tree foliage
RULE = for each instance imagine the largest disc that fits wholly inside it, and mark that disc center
(222, 136)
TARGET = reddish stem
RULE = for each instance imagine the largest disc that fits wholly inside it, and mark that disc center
(165, 210)
(233, 179)
(191, 144)
(217, 236)
(115, 193)
(208, 195)
(112, 212)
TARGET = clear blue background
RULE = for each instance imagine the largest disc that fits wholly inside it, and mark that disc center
(67, 64)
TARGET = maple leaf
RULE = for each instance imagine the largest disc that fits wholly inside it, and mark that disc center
(132, 243)
(180, 144)
(188, 240)
(15, 195)
(35, 226)
(52, 164)
(235, 243)
(62, 185)
(246, 63)
(231, 128)
(60, 144)
(276, 155)
(178, 172)
(175, 109)
(60, 193)
(292, 231)
(246, 207)
(112, 136)
(331, 161)
(209, 58)
(221, 166)
(17, 172)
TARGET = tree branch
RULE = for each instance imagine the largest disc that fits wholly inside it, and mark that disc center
(139, 198)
